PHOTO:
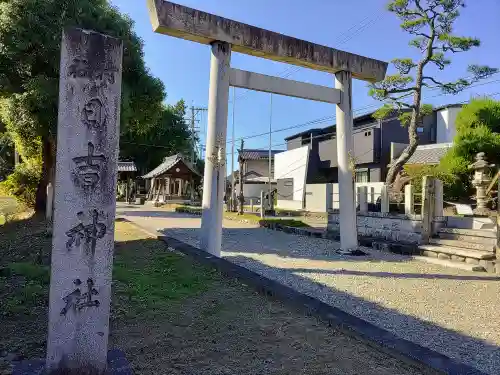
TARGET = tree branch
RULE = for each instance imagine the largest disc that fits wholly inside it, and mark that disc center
(432, 80)
(398, 91)
(423, 35)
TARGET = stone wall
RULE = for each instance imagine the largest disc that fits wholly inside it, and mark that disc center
(386, 226)
(390, 227)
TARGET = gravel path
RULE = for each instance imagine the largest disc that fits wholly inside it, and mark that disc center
(447, 310)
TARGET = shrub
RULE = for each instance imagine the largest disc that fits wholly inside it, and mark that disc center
(23, 182)
(455, 186)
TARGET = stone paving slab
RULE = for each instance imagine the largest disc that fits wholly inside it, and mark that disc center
(450, 311)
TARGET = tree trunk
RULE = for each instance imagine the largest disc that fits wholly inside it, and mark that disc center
(48, 173)
(415, 115)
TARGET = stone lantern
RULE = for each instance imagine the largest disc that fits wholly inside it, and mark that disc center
(481, 181)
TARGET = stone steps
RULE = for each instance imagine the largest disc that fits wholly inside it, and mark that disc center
(467, 238)
(447, 251)
(451, 264)
(486, 233)
(463, 244)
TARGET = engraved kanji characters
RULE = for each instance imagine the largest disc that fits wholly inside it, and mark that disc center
(77, 301)
(90, 233)
(88, 167)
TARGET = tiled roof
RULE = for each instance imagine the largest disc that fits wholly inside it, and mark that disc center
(429, 154)
(126, 166)
(258, 154)
(168, 163)
(261, 180)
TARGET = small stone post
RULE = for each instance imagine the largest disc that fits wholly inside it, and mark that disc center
(438, 198)
(85, 200)
(363, 198)
(409, 200)
(50, 202)
(373, 198)
(428, 201)
(384, 199)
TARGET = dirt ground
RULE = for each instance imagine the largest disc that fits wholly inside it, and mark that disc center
(171, 316)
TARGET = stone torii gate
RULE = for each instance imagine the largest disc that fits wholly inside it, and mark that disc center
(226, 35)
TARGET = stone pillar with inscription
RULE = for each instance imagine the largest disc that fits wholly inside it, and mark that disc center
(84, 202)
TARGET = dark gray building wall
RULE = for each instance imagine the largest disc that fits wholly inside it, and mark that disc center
(393, 131)
(365, 148)
(294, 143)
(372, 147)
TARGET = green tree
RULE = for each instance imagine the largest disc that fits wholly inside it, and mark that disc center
(166, 136)
(478, 130)
(30, 37)
(431, 23)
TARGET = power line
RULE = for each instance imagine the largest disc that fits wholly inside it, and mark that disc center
(341, 39)
(320, 120)
(381, 121)
(332, 117)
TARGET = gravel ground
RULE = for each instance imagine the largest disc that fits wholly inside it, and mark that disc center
(447, 310)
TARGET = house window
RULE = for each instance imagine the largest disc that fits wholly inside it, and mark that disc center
(420, 129)
(362, 176)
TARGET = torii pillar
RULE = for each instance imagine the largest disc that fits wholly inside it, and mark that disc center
(215, 162)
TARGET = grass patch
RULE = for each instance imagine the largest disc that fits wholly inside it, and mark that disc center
(23, 288)
(252, 218)
(149, 279)
(159, 281)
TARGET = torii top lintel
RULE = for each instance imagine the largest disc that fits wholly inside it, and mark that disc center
(191, 24)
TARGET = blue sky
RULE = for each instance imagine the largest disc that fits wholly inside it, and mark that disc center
(359, 26)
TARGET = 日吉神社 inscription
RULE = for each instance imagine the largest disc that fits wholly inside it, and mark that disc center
(84, 200)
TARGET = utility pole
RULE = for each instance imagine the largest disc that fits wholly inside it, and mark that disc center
(194, 112)
(241, 197)
(233, 193)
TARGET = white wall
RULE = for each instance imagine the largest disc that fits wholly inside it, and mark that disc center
(293, 164)
(374, 191)
(316, 197)
(321, 197)
(446, 128)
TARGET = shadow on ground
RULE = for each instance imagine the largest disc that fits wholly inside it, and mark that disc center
(251, 247)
